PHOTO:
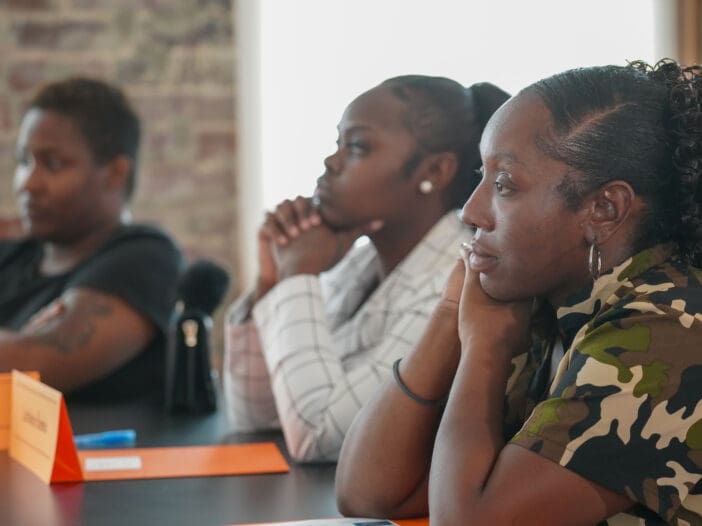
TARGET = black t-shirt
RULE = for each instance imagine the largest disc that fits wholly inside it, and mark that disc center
(139, 264)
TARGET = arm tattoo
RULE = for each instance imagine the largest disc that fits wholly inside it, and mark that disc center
(78, 328)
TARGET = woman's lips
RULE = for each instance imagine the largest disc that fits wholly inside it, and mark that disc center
(480, 260)
(30, 212)
(321, 194)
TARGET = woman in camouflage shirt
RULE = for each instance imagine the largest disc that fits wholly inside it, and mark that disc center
(587, 237)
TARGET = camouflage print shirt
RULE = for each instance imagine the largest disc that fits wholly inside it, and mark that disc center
(625, 407)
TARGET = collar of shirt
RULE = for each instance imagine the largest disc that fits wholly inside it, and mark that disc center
(605, 290)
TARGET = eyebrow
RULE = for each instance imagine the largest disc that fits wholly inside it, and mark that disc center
(507, 158)
(353, 128)
(41, 150)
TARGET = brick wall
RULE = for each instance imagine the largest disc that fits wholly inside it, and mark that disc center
(175, 60)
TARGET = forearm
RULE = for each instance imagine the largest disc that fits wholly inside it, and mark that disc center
(43, 353)
(318, 396)
(470, 439)
(306, 373)
(93, 335)
(374, 475)
(249, 401)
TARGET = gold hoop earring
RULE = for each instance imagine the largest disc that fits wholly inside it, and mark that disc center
(594, 262)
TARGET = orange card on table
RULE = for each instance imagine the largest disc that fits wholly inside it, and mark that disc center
(188, 461)
(41, 437)
(5, 405)
(346, 521)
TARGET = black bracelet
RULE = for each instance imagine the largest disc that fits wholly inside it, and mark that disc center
(405, 389)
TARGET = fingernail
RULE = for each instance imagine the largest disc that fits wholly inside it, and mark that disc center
(282, 240)
(304, 224)
(315, 219)
(293, 231)
(376, 225)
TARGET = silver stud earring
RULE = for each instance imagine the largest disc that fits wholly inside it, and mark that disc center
(426, 186)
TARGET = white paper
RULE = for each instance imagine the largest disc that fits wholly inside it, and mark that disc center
(353, 521)
(112, 463)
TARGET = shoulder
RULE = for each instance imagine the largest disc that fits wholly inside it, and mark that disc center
(12, 246)
(631, 384)
(140, 264)
(18, 252)
(134, 257)
(649, 331)
(138, 245)
(671, 291)
(142, 234)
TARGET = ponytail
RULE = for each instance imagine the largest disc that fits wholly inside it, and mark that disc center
(684, 85)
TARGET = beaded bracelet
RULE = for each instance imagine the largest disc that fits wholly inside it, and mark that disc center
(423, 401)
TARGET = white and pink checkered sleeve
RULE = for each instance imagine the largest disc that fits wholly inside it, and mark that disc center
(246, 384)
(318, 394)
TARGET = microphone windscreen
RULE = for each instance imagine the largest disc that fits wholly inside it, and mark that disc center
(203, 285)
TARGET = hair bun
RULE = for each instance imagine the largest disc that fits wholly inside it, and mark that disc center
(486, 99)
(685, 128)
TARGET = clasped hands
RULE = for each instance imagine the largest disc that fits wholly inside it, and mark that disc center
(294, 239)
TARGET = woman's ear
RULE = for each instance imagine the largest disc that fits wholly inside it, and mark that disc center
(118, 172)
(607, 210)
(437, 168)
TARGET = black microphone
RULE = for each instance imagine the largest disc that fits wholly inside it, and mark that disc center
(203, 286)
(190, 380)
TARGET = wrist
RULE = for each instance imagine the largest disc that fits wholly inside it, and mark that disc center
(263, 285)
(436, 402)
(499, 346)
(448, 308)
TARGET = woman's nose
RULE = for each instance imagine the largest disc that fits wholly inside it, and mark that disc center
(477, 212)
(26, 177)
(331, 163)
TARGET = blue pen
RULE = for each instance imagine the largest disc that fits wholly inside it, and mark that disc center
(106, 439)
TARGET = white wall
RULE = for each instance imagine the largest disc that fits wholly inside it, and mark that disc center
(317, 55)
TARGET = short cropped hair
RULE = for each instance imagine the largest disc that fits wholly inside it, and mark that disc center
(103, 116)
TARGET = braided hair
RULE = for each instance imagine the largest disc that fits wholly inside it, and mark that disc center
(444, 116)
(636, 123)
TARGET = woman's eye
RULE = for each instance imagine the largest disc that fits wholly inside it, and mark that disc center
(53, 164)
(502, 184)
(356, 147)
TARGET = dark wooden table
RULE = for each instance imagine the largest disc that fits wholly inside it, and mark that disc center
(306, 492)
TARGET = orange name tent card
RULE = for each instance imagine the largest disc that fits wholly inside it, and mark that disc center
(40, 432)
(41, 439)
(347, 521)
(5, 406)
(189, 461)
